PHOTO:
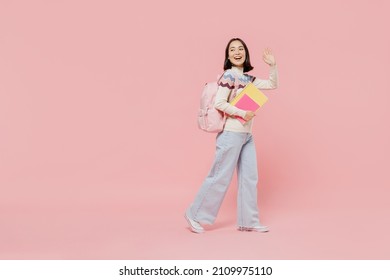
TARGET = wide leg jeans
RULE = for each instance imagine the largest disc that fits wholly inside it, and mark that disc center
(233, 149)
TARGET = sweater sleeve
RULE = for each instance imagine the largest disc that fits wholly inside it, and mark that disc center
(272, 81)
(225, 86)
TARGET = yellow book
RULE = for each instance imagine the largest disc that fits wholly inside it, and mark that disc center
(249, 99)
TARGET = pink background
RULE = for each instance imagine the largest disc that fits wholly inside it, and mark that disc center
(100, 153)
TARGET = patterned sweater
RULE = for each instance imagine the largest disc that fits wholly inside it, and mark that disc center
(226, 86)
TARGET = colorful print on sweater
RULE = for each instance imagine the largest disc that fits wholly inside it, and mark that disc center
(229, 76)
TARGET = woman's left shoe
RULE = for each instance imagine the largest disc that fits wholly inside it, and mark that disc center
(256, 229)
(194, 225)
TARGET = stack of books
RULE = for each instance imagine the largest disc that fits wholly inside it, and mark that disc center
(249, 99)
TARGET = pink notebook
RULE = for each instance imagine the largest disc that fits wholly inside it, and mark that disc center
(249, 99)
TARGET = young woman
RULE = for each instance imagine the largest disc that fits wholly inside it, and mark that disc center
(235, 146)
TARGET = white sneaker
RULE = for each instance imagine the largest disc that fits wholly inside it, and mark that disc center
(256, 229)
(194, 225)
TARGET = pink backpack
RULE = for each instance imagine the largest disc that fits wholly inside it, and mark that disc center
(209, 118)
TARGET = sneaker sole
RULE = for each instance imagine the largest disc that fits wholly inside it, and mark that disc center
(252, 229)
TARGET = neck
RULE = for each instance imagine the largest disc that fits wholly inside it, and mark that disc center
(239, 69)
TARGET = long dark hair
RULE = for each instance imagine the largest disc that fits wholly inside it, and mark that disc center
(247, 63)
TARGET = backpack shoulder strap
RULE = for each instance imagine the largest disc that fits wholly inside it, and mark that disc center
(236, 84)
(233, 93)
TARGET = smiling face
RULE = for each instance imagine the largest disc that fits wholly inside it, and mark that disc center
(237, 53)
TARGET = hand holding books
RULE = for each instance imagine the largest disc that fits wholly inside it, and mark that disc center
(249, 115)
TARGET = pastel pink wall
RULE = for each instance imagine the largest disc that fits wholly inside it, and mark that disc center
(99, 149)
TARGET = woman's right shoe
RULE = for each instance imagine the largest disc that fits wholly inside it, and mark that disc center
(194, 225)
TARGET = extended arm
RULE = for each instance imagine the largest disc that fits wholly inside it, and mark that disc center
(272, 81)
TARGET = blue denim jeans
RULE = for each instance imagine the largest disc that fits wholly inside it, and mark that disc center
(234, 149)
